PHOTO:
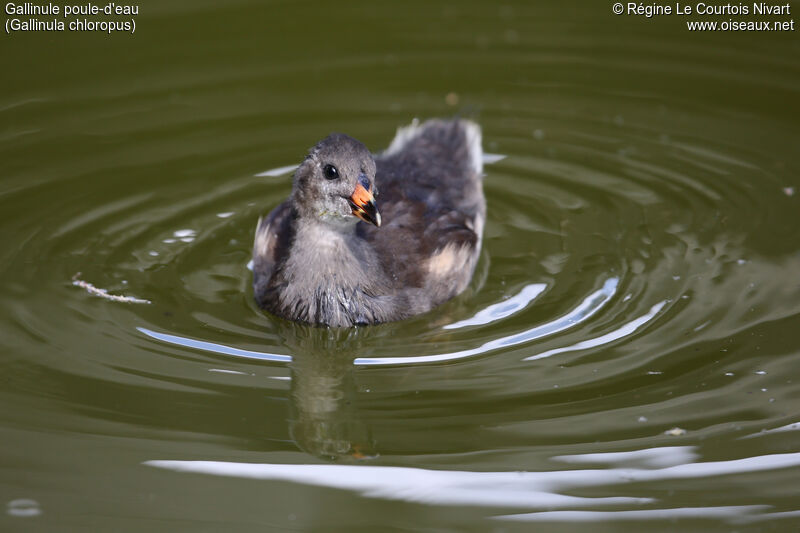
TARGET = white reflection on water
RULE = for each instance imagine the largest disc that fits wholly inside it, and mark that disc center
(434, 487)
(23, 507)
(490, 159)
(275, 172)
(769, 516)
(648, 457)
(641, 514)
(624, 331)
(532, 490)
(214, 347)
(789, 427)
(589, 306)
(503, 309)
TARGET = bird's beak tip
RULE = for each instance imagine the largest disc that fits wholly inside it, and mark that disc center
(362, 203)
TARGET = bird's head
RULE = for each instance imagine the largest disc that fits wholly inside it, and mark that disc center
(336, 183)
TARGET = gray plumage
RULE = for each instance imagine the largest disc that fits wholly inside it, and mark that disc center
(315, 261)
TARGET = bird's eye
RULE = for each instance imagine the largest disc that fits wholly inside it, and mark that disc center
(330, 172)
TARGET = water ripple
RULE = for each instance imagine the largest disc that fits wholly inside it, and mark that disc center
(588, 307)
(214, 347)
(501, 310)
(531, 490)
(639, 273)
(623, 331)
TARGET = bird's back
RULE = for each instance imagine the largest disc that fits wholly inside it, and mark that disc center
(431, 199)
(438, 163)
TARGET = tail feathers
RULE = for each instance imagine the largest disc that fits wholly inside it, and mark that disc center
(460, 133)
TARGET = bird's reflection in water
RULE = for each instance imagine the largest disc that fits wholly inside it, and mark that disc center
(325, 419)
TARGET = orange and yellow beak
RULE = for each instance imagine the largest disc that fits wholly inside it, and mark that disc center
(363, 204)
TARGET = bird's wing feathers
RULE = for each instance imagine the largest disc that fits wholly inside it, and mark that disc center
(431, 201)
(273, 238)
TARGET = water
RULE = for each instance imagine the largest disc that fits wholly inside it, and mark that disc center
(626, 355)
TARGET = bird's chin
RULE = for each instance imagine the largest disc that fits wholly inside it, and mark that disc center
(338, 220)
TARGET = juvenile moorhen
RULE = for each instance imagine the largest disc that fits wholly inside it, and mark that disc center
(313, 262)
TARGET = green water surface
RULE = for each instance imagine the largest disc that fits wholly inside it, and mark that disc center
(627, 356)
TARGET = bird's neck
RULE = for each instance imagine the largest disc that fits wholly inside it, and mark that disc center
(329, 255)
(332, 273)
(325, 237)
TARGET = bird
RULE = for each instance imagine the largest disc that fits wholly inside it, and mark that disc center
(365, 239)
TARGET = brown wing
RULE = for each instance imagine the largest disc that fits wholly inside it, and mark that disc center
(274, 235)
(431, 201)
